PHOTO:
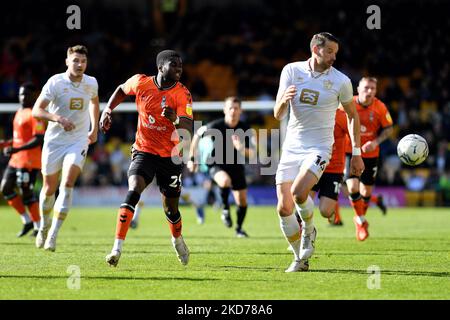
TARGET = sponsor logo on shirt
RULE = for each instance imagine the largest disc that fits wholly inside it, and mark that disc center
(308, 96)
(76, 103)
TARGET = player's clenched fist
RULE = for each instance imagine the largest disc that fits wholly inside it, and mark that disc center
(105, 121)
(66, 123)
(289, 94)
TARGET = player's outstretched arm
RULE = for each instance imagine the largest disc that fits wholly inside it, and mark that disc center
(39, 112)
(356, 163)
(94, 110)
(37, 140)
(384, 134)
(116, 98)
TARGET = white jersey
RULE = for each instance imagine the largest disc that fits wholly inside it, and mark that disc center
(71, 102)
(313, 109)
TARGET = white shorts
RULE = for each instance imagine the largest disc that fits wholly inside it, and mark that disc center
(56, 157)
(314, 160)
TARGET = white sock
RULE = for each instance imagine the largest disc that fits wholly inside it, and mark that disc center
(64, 200)
(45, 207)
(25, 218)
(291, 230)
(56, 225)
(118, 245)
(137, 211)
(360, 220)
(36, 225)
(305, 210)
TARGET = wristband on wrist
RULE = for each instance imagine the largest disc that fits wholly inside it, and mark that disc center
(177, 121)
(356, 151)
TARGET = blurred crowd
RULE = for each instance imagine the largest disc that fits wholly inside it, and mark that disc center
(233, 49)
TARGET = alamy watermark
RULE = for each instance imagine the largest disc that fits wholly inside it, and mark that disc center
(74, 280)
(74, 20)
(374, 279)
(264, 144)
(374, 20)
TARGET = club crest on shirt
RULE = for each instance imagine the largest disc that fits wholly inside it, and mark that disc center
(189, 109)
(76, 104)
(327, 84)
(309, 96)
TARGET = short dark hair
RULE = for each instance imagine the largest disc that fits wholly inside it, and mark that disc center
(319, 39)
(165, 56)
(29, 86)
(77, 49)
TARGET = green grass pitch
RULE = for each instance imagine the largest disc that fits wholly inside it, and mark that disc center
(409, 246)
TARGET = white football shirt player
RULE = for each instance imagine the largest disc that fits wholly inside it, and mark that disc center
(70, 100)
(309, 136)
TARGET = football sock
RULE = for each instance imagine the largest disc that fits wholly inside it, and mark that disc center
(137, 211)
(57, 221)
(225, 193)
(45, 207)
(125, 214)
(241, 213)
(305, 210)
(33, 208)
(16, 202)
(175, 224)
(25, 218)
(366, 203)
(64, 200)
(337, 213)
(374, 199)
(291, 230)
(357, 203)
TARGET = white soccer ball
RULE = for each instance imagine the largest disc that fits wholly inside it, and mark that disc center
(412, 149)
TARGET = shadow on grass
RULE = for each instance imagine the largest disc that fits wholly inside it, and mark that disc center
(50, 277)
(387, 272)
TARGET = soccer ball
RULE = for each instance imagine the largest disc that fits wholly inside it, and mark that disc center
(412, 149)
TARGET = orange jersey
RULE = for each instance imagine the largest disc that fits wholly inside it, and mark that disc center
(154, 132)
(337, 162)
(373, 118)
(25, 127)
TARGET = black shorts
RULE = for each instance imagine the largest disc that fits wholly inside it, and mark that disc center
(370, 171)
(236, 173)
(20, 177)
(168, 174)
(329, 185)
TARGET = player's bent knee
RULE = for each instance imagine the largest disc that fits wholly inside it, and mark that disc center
(326, 212)
(300, 198)
(284, 210)
(7, 190)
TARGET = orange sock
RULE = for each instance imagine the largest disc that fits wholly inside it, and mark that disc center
(337, 215)
(17, 204)
(373, 199)
(365, 205)
(124, 218)
(175, 228)
(33, 208)
(358, 206)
